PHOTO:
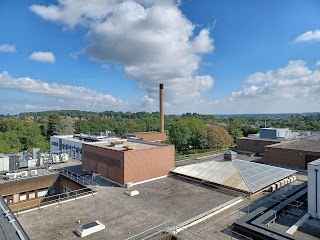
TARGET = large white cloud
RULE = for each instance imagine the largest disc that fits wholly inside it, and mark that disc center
(66, 95)
(294, 81)
(7, 48)
(153, 41)
(45, 57)
(309, 36)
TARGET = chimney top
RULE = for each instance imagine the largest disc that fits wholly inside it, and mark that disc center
(161, 85)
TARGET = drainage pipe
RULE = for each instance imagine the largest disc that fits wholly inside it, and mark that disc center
(316, 191)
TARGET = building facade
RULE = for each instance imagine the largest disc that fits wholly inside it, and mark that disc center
(120, 164)
(297, 153)
(254, 145)
(72, 144)
(314, 188)
(275, 133)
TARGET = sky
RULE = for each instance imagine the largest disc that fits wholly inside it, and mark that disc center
(213, 57)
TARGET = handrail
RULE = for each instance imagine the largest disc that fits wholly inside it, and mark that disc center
(76, 177)
(57, 198)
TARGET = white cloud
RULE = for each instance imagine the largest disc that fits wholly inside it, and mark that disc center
(7, 48)
(153, 41)
(318, 63)
(45, 57)
(309, 36)
(294, 69)
(66, 94)
(295, 81)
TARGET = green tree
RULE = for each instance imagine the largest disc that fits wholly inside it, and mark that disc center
(179, 134)
(54, 122)
(218, 137)
(234, 131)
(66, 126)
(198, 133)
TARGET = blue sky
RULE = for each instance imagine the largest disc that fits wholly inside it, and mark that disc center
(213, 57)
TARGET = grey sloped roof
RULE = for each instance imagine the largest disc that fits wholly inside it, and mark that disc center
(237, 174)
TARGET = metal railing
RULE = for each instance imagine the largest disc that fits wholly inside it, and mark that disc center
(7, 212)
(77, 178)
(49, 200)
(168, 227)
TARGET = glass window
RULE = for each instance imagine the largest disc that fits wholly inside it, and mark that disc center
(42, 193)
(32, 195)
(23, 196)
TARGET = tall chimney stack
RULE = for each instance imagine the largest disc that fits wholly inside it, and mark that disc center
(161, 108)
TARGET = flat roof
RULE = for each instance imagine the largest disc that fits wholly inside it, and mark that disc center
(137, 145)
(263, 139)
(148, 133)
(276, 128)
(76, 138)
(300, 145)
(159, 201)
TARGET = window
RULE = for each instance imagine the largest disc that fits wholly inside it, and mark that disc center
(42, 193)
(23, 196)
(32, 195)
(52, 191)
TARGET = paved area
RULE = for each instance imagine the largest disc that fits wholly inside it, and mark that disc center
(158, 201)
(309, 230)
(220, 227)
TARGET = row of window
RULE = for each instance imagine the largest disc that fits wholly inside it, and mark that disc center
(27, 195)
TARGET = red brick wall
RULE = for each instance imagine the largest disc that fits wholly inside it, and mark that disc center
(110, 167)
(141, 165)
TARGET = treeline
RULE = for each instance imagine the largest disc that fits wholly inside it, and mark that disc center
(186, 131)
(17, 135)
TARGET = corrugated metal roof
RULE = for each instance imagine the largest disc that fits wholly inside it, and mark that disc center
(238, 174)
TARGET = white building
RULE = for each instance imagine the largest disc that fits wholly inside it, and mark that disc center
(314, 188)
(72, 144)
(4, 163)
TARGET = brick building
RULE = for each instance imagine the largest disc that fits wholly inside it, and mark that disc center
(129, 161)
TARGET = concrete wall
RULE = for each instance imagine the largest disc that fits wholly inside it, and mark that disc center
(27, 184)
(25, 193)
(141, 165)
(107, 162)
(289, 157)
(314, 189)
(253, 144)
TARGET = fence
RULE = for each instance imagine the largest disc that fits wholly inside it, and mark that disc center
(77, 178)
(167, 228)
(220, 229)
(50, 200)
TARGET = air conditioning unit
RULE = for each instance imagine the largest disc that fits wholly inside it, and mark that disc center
(55, 158)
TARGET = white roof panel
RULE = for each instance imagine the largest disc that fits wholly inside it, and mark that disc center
(238, 174)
